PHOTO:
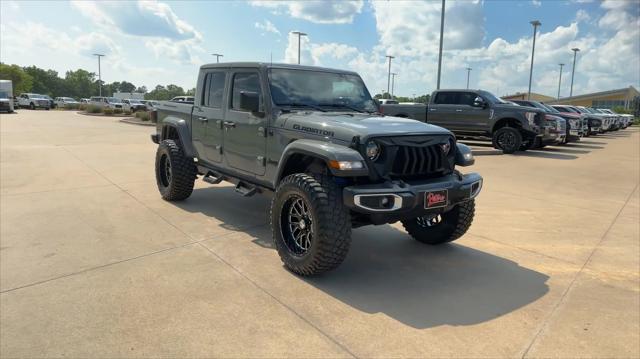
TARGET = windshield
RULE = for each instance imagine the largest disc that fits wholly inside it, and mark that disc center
(319, 89)
(493, 98)
(551, 109)
(113, 100)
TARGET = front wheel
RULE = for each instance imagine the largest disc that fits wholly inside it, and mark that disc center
(507, 139)
(175, 172)
(311, 227)
(442, 228)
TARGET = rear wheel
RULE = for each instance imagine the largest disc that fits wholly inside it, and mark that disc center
(175, 172)
(311, 227)
(508, 139)
(444, 227)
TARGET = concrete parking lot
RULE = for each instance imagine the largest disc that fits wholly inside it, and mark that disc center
(94, 264)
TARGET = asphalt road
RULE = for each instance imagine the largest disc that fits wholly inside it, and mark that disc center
(94, 264)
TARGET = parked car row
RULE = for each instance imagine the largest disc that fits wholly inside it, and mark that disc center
(510, 125)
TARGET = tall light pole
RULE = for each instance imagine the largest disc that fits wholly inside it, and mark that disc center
(389, 74)
(441, 38)
(393, 81)
(535, 24)
(299, 35)
(468, 74)
(218, 56)
(560, 79)
(99, 74)
(573, 70)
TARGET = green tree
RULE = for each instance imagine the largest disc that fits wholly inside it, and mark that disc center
(46, 82)
(22, 82)
(80, 84)
(127, 87)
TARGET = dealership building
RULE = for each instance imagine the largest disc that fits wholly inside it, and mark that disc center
(628, 98)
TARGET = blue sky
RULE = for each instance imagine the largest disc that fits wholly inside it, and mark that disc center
(162, 42)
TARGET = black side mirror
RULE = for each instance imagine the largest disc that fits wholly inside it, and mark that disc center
(249, 101)
(479, 102)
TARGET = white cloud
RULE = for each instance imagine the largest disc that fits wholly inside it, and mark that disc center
(141, 18)
(166, 33)
(267, 26)
(582, 16)
(322, 12)
(536, 3)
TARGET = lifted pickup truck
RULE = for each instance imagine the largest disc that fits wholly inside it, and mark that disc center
(313, 139)
(480, 114)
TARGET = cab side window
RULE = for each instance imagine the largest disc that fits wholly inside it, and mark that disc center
(213, 89)
(466, 98)
(244, 82)
(446, 98)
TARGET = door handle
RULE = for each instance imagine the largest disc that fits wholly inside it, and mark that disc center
(203, 119)
(229, 124)
(458, 110)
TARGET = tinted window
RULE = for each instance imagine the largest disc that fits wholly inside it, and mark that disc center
(244, 82)
(214, 88)
(466, 98)
(446, 98)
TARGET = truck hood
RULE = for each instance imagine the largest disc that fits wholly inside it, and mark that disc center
(517, 108)
(344, 126)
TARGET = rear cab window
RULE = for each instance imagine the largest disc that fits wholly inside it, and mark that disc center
(213, 89)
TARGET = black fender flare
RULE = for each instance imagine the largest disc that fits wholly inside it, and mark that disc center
(184, 133)
(325, 151)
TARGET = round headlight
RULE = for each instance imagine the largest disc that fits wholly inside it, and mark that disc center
(373, 150)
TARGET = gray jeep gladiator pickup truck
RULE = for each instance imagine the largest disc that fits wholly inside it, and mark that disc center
(479, 114)
(313, 139)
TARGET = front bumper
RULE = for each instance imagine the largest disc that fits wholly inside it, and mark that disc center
(409, 199)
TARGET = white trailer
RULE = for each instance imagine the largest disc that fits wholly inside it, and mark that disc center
(6, 95)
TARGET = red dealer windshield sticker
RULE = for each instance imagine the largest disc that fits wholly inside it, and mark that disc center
(435, 199)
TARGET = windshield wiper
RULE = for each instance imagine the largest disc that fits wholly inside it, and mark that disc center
(343, 106)
(301, 104)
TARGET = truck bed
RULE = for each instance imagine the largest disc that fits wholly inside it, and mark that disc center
(413, 111)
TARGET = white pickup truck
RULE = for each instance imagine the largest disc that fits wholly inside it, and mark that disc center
(33, 101)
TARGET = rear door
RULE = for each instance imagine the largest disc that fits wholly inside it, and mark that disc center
(208, 115)
(245, 134)
(442, 109)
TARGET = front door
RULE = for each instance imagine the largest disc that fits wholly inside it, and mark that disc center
(208, 115)
(471, 118)
(245, 133)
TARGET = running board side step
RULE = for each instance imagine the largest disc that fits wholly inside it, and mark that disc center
(213, 178)
(245, 190)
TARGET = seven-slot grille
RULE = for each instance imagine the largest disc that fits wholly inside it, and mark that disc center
(411, 160)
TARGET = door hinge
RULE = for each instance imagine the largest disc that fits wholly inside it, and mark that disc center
(261, 160)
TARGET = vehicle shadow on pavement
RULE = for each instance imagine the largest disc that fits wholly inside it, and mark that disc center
(563, 149)
(236, 213)
(545, 154)
(388, 272)
(583, 144)
(427, 286)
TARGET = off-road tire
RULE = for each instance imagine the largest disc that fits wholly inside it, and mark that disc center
(507, 131)
(183, 172)
(454, 225)
(331, 223)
